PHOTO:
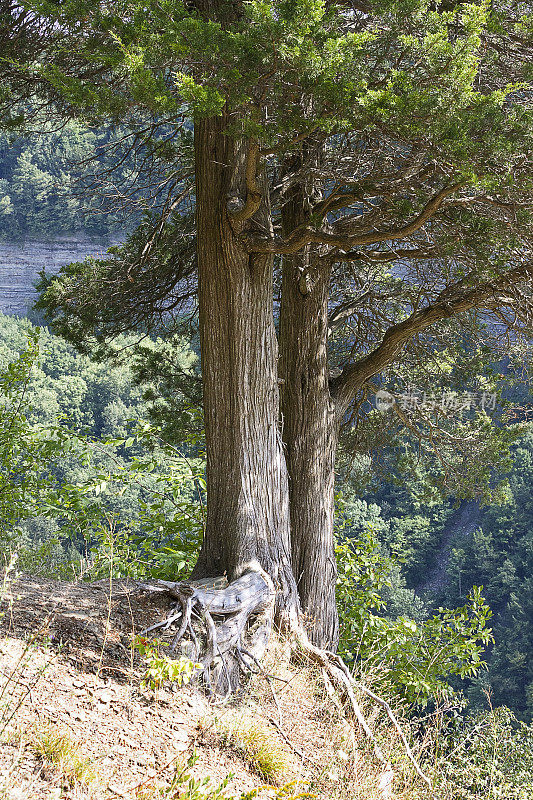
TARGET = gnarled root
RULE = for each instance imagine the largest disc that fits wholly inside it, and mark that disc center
(339, 675)
(226, 628)
(223, 627)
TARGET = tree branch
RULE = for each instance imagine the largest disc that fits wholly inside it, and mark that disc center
(345, 310)
(304, 235)
(455, 299)
(386, 256)
(280, 148)
(253, 192)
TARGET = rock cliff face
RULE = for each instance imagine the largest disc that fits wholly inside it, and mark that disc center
(462, 523)
(20, 263)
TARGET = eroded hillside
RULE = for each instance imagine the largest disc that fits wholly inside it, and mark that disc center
(77, 723)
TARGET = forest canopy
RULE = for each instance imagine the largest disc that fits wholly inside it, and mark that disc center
(49, 184)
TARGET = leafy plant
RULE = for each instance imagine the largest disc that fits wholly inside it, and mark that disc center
(28, 452)
(489, 755)
(78, 468)
(413, 659)
(160, 668)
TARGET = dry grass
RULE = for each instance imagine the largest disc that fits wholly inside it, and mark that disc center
(326, 753)
(258, 744)
(288, 727)
(57, 760)
(59, 752)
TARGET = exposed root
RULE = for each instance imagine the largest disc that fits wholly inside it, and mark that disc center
(289, 743)
(223, 627)
(339, 676)
(340, 681)
(226, 628)
(383, 703)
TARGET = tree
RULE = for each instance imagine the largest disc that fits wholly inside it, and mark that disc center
(46, 178)
(378, 149)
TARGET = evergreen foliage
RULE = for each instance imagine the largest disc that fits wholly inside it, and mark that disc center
(499, 555)
(426, 109)
(51, 182)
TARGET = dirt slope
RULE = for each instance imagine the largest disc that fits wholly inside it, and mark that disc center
(76, 723)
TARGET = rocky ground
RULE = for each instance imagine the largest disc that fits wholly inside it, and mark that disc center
(76, 722)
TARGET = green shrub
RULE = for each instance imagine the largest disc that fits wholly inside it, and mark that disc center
(161, 669)
(408, 658)
(489, 756)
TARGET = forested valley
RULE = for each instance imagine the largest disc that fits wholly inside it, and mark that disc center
(291, 393)
(126, 449)
(45, 184)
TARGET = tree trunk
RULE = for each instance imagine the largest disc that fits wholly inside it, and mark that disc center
(247, 497)
(310, 430)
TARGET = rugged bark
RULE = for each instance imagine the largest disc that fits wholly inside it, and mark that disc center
(309, 430)
(247, 505)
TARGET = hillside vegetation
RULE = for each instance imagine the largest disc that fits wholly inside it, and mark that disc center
(265, 471)
(101, 407)
(78, 721)
(91, 490)
(44, 182)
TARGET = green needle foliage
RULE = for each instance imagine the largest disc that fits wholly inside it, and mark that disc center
(406, 120)
(403, 100)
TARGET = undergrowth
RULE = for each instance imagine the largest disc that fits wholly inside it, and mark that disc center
(60, 753)
(290, 729)
(183, 786)
(259, 746)
(161, 669)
